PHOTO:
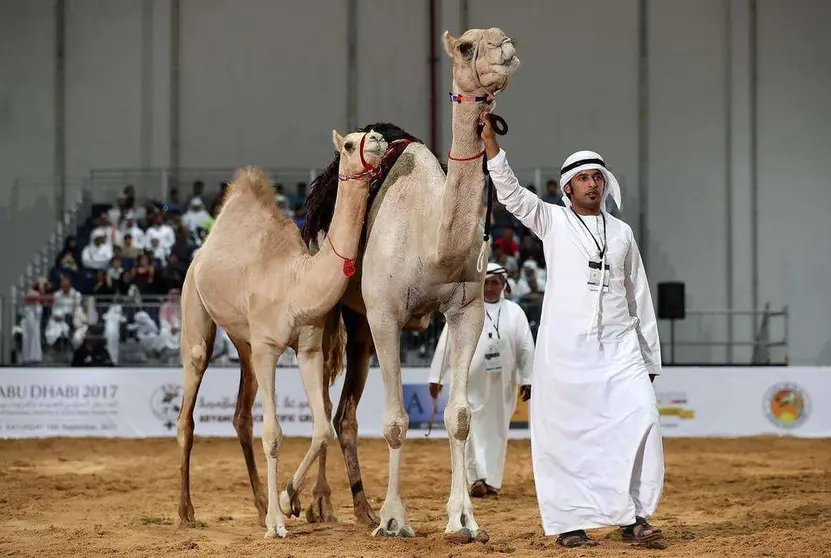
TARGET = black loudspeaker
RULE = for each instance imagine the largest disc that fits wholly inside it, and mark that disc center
(671, 301)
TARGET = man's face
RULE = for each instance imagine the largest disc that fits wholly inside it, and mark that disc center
(65, 284)
(493, 288)
(586, 188)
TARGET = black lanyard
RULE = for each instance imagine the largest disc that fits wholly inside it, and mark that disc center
(495, 325)
(603, 250)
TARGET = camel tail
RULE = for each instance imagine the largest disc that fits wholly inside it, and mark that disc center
(334, 346)
(254, 182)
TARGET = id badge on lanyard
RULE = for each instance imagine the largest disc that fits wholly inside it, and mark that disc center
(493, 356)
(594, 277)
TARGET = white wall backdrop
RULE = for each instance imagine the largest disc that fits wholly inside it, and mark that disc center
(264, 82)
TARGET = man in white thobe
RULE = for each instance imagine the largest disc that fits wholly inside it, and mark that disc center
(595, 433)
(503, 359)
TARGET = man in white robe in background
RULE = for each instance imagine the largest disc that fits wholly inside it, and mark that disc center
(595, 433)
(503, 360)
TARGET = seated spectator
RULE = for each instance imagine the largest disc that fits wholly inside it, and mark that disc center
(130, 228)
(92, 352)
(102, 286)
(69, 254)
(98, 254)
(198, 191)
(128, 249)
(196, 220)
(530, 287)
(66, 299)
(530, 247)
(118, 212)
(160, 231)
(173, 274)
(183, 247)
(158, 252)
(174, 204)
(144, 275)
(507, 242)
(57, 334)
(117, 276)
(146, 332)
(499, 256)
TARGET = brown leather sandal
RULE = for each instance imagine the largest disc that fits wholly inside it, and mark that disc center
(574, 539)
(479, 489)
(640, 532)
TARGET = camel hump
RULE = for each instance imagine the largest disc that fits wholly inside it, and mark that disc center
(255, 182)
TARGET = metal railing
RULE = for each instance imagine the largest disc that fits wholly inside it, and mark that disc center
(764, 344)
(142, 339)
(135, 332)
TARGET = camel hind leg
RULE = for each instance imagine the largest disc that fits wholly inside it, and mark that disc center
(197, 341)
(359, 347)
(244, 424)
(310, 361)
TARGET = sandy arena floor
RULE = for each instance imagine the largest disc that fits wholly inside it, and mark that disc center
(760, 497)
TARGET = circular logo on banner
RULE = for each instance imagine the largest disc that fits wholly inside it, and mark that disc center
(787, 405)
(165, 403)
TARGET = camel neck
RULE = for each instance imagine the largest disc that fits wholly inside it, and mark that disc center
(348, 216)
(461, 203)
(325, 275)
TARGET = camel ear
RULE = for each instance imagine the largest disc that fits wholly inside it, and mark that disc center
(449, 43)
(337, 140)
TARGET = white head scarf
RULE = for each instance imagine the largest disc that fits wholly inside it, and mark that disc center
(496, 269)
(586, 160)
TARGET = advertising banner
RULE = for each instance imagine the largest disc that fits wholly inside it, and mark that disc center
(745, 401)
(145, 402)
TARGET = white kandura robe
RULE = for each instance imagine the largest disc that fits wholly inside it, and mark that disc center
(492, 396)
(595, 433)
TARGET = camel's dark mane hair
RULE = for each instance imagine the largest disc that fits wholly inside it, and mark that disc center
(320, 204)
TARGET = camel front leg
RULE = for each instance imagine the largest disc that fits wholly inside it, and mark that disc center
(387, 336)
(264, 359)
(464, 328)
(320, 510)
(310, 361)
(197, 340)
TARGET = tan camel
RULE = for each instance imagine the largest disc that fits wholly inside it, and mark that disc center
(254, 277)
(427, 227)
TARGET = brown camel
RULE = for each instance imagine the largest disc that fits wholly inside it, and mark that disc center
(254, 277)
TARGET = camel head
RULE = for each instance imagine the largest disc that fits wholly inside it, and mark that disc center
(360, 153)
(483, 59)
